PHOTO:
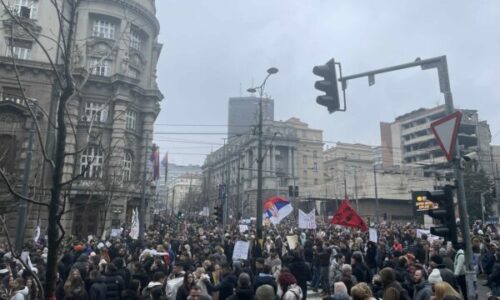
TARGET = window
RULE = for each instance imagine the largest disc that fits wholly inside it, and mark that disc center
(104, 29)
(26, 8)
(127, 166)
(131, 119)
(100, 68)
(19, 50)
(133, 73)
(96, 112)
(135, 40)
(91, 156)
(315, 167)
(315, 154)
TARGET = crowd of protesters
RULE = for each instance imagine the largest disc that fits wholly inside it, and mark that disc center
(192, 259)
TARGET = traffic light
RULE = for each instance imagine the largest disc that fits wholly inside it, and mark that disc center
(293, 191)
(328, 85)
(218, 213)
(444, 213)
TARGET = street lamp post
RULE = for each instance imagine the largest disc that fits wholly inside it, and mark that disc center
(260, 158)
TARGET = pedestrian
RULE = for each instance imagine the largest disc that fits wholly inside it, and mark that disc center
(184, 290)
(444, 290)
(265, 292)
(74, 287)
(289, 288)
(361, 291)
(244, 289)
(19, 290)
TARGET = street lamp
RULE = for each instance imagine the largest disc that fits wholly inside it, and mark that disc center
(260, 158)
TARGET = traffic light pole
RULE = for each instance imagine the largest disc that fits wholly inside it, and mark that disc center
(439, 63)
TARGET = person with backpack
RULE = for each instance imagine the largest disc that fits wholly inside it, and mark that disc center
(289, 287)
(155, 287)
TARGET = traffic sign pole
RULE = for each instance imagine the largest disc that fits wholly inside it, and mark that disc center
(440, 64)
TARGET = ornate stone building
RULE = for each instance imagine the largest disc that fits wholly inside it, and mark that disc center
(293, 156)
(110, 119)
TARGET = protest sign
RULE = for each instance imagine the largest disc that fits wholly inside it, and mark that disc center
(293, 241)
(241, 250)
(373, 235)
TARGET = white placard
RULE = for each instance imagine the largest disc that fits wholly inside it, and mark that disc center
(241, 250)
(293, 241)
(243, 228)
(430, 237)
(307, 221)
(373, 235)
(116, 232)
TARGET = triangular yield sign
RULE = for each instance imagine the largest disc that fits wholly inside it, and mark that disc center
(446, 130)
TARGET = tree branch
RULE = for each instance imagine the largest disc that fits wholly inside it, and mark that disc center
(26, 102)
(37, 41)
(16, 194)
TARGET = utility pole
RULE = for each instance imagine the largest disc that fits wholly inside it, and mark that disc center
(238, 198)
(23, 205)
(356, 188)
(441, 65)
(260, 158)
(377, 207)
(142, 206)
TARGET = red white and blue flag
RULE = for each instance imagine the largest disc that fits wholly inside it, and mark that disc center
(276, 209)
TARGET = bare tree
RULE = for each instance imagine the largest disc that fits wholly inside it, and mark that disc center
(68, 87)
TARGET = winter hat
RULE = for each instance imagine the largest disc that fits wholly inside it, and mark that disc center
(435, 277)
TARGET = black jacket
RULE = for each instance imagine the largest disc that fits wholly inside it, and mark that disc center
(225, 287)
(113, 284)
(265, 279)
(361, 272)
(299, 268)
(242, 294)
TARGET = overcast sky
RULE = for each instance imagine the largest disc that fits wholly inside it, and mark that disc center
(216, 49)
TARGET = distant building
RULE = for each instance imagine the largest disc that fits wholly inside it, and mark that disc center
(243, 114)
(181, 187)
(162, 189)
(293, 156)
(409, 139)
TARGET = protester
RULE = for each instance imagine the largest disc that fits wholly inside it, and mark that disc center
(444, 290)
(289, 288)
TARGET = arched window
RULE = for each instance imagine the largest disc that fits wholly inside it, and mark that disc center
(127, 166)
(93, 156)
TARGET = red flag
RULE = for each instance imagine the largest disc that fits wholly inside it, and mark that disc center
(347, 216)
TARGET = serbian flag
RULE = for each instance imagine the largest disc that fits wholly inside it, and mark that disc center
(347, 216)
(276, 209)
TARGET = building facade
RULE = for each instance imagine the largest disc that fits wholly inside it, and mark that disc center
(409, 139)
(183, 189)
(243, 114)
(292, 157)
(111, 117)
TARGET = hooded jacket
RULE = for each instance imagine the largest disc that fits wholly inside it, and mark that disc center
(423, 291)
(21, 294)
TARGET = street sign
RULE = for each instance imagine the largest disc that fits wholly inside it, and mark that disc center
(422, 204)
(446, 130)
